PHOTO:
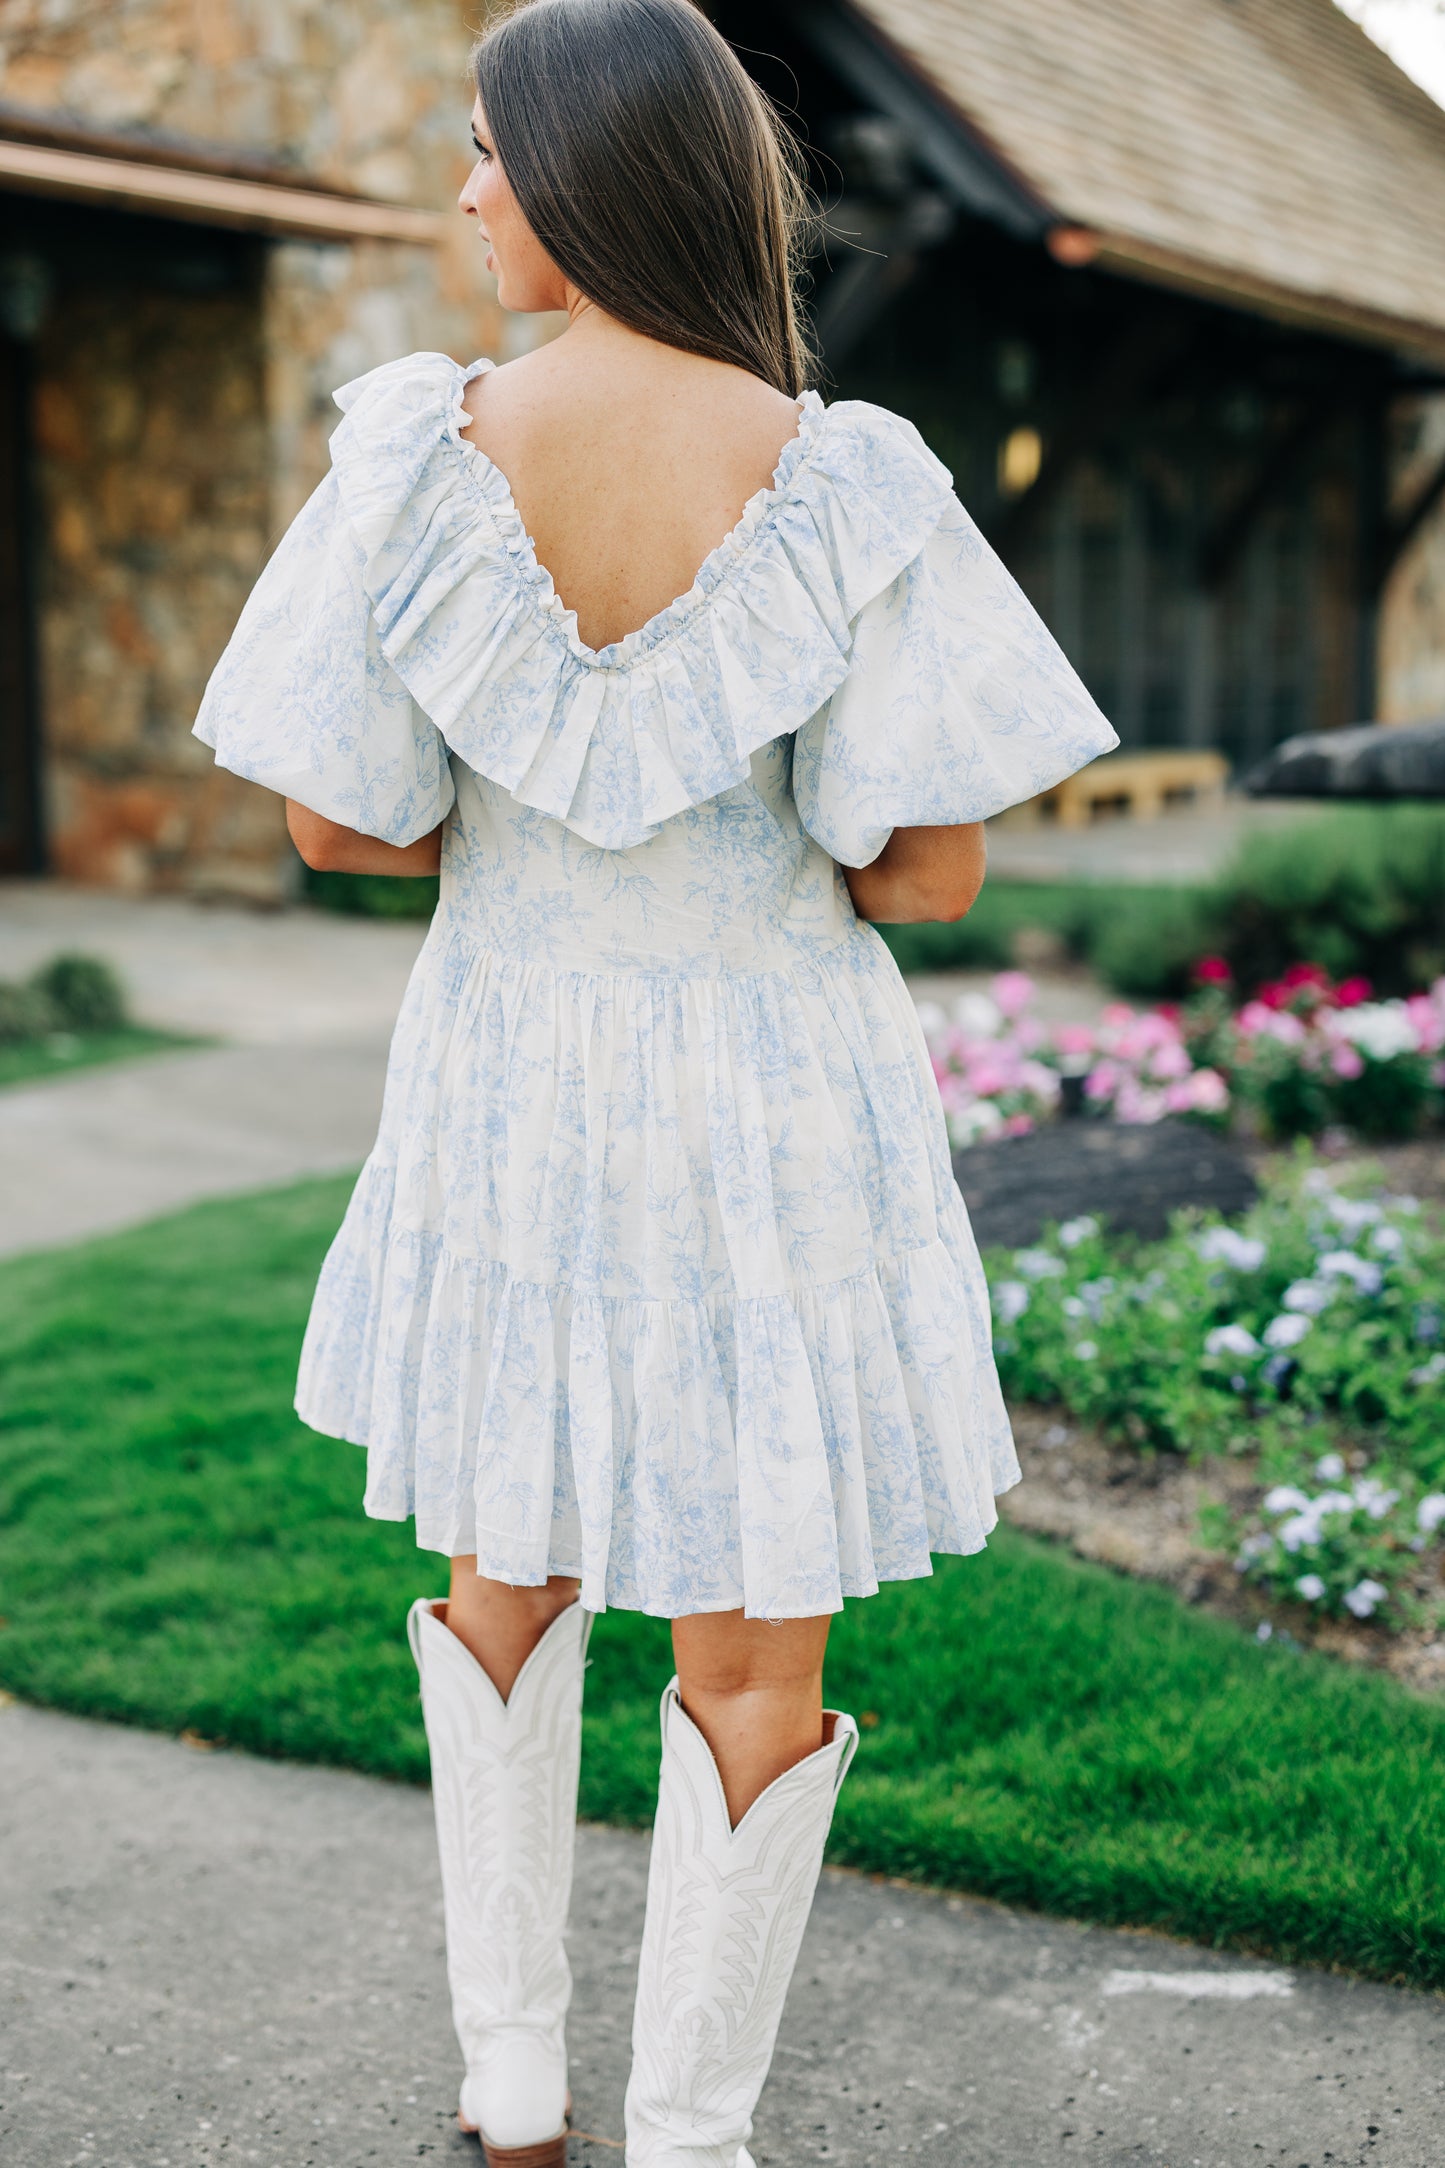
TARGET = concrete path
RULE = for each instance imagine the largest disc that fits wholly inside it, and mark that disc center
(111, 1147)
(306, 1001)
(211, 1959)
(258, 978)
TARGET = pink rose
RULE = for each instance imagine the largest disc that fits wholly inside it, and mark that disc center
(1013, 991)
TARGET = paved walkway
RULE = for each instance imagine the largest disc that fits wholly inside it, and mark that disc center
(306, 1002)
(211, 1959)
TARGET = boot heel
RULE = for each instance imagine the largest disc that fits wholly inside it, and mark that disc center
(551, 2153)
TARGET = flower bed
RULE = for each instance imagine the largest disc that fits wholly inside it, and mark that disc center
(1311, 1337)
(1303, 1056)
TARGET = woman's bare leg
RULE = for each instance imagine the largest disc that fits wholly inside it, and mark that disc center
(501, 1625)
(754, 1689)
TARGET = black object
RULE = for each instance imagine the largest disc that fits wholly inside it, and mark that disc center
(1131, 1177)
(1371, 760)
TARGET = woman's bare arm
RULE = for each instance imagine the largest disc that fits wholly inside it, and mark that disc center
(921, 874)
(331, 848)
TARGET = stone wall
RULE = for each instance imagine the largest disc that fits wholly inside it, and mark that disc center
(177, 435)
(152, 475)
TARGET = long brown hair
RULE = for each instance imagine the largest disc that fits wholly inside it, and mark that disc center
(655, 174)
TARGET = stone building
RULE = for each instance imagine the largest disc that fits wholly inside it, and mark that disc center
(211, 213)
(1163, 280)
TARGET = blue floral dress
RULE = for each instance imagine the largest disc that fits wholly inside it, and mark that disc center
(657, 1274)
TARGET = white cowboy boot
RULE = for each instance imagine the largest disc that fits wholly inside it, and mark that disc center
(504, 1784)
(726, 1909)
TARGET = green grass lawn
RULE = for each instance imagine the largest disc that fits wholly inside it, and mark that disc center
(35, 1060)
(176, 1551)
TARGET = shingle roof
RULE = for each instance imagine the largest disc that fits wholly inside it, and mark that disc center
(1263, 149)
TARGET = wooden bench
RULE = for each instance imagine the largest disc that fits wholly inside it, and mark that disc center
(1139, 786)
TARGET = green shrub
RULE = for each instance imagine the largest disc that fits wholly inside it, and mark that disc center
(1146, 942)
(1073, 916)
(1360, 891)
(25, 1014)
(83, 992)
(374, 895)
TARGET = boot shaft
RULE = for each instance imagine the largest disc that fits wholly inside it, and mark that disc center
(726, 1911)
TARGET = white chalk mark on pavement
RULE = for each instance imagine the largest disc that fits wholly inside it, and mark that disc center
(1223, 1986)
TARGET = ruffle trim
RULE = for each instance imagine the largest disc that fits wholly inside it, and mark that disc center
(614, 741)
(778, 1453)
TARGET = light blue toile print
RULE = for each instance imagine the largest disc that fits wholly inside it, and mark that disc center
(657, 1274)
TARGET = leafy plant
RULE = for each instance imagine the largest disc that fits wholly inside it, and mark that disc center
(25, 1014)
(1310, 1332)
(84, 993)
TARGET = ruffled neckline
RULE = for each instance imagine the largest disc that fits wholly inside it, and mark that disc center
(614, 741)
(535, 581)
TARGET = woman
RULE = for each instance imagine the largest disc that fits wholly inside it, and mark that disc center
(656, 1290)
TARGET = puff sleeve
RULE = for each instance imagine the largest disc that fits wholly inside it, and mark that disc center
(957, 703)
(305, 701)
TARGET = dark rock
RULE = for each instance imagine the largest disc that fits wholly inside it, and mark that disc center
(1130, 1177)
(1372, 760)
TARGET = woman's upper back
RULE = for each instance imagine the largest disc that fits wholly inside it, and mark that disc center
(854, 607)
(629, 463)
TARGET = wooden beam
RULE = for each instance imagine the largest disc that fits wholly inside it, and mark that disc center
(210, 199)
(1401, 531)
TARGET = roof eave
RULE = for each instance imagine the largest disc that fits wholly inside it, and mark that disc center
(1146, 261)
(143, 180)
(962, 160)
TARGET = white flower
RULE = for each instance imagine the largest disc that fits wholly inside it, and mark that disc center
(1308, 1297)
(1333, 1501)
(1075, 1231)
(1231, 1340)
(1093, 1294)
(1330, 1467)
(1387, 1242)
(1310, 1586)
(971, 1124)
(1039, 1265)
(1381, 1029)
(1225, 1246)
(1364, 1596)
(1350, 1214)
(1086, 1350)
(978, 1016)
(1010, 1300)
(1298, 1530)
(1430, 1513)
(1284, 1498)
(1256, 1546)
(1429, 1372)
(1373, 1496)
(1287, 1330)
(1072, 1307)
(1344, 1265)
(1264, 1631)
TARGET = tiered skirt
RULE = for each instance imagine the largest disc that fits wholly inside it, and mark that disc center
(663, 1282)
